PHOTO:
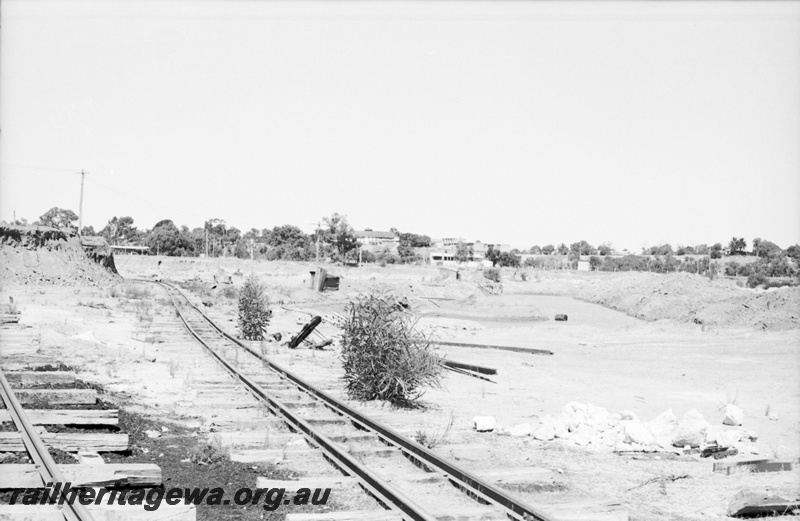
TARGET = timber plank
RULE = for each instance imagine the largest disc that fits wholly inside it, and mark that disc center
(57, 396)
(69, 441)
(118, 474)
(102, 512)
(67, 417)
(306, 482)
(761, 465)
(40, 377)
(354, 515)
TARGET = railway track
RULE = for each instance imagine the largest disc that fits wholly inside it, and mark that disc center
(404, 476)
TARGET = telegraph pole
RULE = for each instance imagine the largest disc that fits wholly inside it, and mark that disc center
(80, 207)
(318, 224)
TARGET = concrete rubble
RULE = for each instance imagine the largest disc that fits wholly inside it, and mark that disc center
(586, 425)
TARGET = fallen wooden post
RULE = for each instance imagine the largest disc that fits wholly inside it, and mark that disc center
(9, 319)
(489, 346)
(470, 367)
(307, 329)
(752, 502)
(760, 465)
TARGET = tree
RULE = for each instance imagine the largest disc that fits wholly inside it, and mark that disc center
(509, 259)
(604, 249)
(339, 234)
(595, 262)
(794, 253)
(492, 255)
(716, 251)
(549, 249)
(702, 249)
(120, 230)
(166, 239)
(288, 242)
(581, 248)
(562, 249)
(464, 252)
(535, 250)
(762, 248)
(88, 230)
(737, 246)
(407, 242)
(58, 218)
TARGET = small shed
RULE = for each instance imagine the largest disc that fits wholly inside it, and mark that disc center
(324, 281)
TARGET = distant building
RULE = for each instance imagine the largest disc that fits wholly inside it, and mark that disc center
(129, 250)
(371, 237)
(444, 250)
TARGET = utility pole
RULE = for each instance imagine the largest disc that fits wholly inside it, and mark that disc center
(80, 207)
(318, 224)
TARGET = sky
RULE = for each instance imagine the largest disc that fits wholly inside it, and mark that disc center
(522, 122)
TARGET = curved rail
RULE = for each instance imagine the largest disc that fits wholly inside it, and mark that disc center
(462, 478)
(48, 470)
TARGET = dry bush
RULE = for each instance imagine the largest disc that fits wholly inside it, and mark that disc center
(492, 274)
(254, 313)
(384, 356)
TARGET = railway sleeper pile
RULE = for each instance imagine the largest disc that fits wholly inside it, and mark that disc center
(39, 399)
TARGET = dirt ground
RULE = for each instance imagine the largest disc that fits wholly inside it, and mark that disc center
(644, 343)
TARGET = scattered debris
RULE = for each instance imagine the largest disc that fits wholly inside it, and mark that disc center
(718, 452)
(761, 502)
(661, 480)
(484, 423)
(561, 318)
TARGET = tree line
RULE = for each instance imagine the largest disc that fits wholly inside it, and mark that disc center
(335, 239)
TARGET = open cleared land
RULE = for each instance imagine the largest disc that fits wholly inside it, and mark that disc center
(639, 342)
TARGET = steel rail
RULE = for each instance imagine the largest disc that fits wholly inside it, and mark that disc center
(48, 470)
(384, 491)
(468, 481)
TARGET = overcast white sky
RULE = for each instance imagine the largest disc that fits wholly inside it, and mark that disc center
(521, 122)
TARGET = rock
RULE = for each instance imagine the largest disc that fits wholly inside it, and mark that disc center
(663, 428)
(628, 415)
(523, 429)
(728, 438)
(714, 434)
(634, 431)
(484, 423)
(772, 416)
(691, 430)
(584, 435)
(546, 431)
(153, 434)
(561, 429)
(733, 415)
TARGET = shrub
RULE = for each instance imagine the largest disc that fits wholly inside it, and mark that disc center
(492, 274)
(384, 357)
(254, 313)
(756, 279)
